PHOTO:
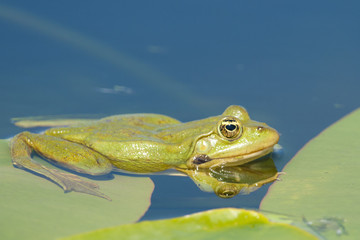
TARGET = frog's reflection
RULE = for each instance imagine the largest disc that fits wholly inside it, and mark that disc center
(229, 181)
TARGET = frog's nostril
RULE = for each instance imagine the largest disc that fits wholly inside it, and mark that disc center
(260, 128)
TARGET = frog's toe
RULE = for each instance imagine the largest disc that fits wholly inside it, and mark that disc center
(68, 177)
(70, 182)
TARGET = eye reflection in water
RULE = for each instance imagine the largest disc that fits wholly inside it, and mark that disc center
(228, 181)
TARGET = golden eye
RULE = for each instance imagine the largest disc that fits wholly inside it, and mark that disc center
(225, 190)
(230, 128)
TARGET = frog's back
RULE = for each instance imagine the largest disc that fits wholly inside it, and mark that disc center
(129, 141)
(114, 128)
(147, 120)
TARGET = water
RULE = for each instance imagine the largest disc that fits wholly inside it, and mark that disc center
(292, 65)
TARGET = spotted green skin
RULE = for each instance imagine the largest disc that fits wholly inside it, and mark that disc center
(141, 143)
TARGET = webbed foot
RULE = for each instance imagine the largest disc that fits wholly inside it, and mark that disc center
(59, 150)
(70, 182)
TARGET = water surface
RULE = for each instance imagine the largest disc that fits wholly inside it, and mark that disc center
(292, 65)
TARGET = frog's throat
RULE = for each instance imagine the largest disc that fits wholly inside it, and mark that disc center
(203, 161)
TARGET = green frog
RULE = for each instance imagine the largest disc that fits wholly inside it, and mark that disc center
(143, 143)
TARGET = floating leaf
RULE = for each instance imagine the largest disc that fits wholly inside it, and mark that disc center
(227, 223)
(47, 121)
(322, 184)
(32, 207)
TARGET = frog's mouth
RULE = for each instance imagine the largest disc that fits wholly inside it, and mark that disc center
(204, 161)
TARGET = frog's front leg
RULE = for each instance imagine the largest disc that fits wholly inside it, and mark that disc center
(68, 154)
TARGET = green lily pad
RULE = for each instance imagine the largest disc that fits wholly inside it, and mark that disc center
(322, 185)
(227, 223)
(32, 207)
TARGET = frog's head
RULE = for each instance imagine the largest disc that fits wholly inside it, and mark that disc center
(234, 140)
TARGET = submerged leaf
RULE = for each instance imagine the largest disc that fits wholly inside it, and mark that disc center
(34, 208)
(227, 223)
(322, 184)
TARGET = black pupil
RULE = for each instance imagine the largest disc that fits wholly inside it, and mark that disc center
(228, 193)
(230, 127)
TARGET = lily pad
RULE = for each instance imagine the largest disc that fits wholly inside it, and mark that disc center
(34, 208)
(322, 185)
(227, 223)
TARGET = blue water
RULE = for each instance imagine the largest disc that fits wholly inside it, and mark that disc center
(294, 65)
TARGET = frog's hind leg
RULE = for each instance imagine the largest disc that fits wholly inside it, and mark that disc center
(68, 154)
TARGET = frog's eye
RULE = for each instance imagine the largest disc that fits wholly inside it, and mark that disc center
(226, 190)
(230, 128)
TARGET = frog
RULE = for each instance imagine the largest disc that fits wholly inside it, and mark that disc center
(142, 143)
